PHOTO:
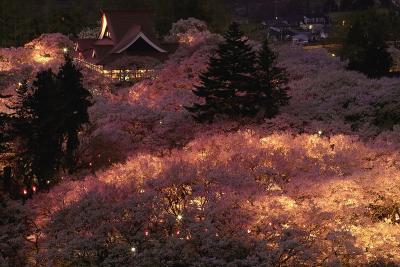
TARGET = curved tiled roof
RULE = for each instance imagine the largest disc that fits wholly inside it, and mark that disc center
(125, 28)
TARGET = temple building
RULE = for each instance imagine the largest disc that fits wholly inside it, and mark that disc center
(126, 49)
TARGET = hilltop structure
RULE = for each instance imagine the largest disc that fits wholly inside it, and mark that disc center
(127, 47)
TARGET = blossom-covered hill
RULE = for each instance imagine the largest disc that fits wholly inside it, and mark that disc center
(317, 185)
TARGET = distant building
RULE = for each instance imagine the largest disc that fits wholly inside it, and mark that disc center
(126, 48)
(300, 30)
(314, 22)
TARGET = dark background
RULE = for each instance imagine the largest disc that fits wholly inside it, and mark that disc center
(23, 20)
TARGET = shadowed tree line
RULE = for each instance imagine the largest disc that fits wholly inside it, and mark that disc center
(365, 46)
(262, 9)
(23, 20)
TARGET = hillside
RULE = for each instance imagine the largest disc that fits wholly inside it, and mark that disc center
(317, 185)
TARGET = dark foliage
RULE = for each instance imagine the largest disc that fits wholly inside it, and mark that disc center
(365, 48)
(74, 106)
(228, 79)
(45, 124)
(2, 132)
(272, 80)
(240, 83)
(384, 209)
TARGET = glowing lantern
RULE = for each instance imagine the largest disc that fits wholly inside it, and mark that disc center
(179, 217)
(25, 192)
(34, 188)
(146, 233)
(65, 50)
(320, 132)
(133, 249)
(248, 231)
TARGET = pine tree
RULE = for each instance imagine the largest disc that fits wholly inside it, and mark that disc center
(47, 118)
(366, 50)
(23, 132)
(272, 81)
(46, 103)
(75, 104)
(228, 79)
(37, 131)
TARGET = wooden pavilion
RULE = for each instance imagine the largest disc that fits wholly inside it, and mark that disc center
(127, 47)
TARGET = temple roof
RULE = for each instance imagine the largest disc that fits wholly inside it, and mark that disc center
(120, 31)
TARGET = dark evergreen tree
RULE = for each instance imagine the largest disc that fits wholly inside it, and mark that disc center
(228, 79)
(47, 118)
(45, 124)
(46, 121)
(272, 80)
(75, 103)
(37, 131)
(3, 118)
(23, 133)
(365, 48)
(46, 107)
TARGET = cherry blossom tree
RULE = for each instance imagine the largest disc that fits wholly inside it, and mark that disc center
(316, 185)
